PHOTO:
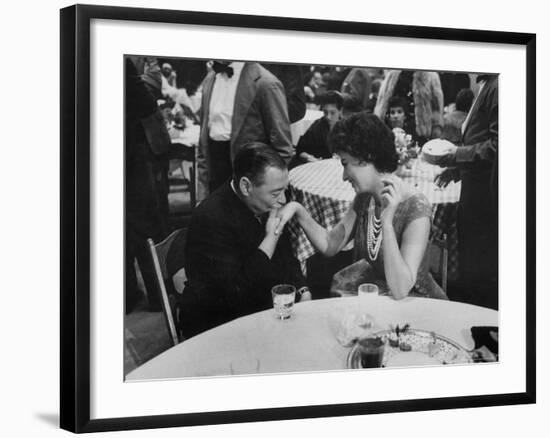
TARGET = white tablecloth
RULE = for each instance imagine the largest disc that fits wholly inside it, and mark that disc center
(307, 341)
(189, 136)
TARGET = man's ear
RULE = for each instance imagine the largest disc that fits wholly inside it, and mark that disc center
(245, 186)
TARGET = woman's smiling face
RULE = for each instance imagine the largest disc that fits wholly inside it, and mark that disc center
(363, 176)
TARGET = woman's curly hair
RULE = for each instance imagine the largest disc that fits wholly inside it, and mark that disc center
(365, 137)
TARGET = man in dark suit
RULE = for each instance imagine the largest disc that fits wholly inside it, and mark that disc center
(146, 138)
(241, 103)
(477, 163)
(313, 145)
(292, 78)
(232, 255)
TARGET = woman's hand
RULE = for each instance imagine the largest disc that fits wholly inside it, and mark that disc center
(285, 213)
(272, 223)
(391, 195)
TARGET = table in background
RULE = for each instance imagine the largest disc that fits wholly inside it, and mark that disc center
(185, 143)
(307, 341)
(320, 188)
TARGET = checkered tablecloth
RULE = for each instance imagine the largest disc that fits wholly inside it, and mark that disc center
(320, 188)
(421, 175)
(444, 223)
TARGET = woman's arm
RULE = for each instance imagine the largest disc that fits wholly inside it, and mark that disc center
(401, 264)
(326, 242)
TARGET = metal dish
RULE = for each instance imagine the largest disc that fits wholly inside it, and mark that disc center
(436, 349)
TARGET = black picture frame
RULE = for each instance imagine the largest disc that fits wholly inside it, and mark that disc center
(75, 217)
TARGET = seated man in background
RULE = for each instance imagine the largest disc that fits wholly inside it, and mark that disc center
(313, 145)
(232, 256)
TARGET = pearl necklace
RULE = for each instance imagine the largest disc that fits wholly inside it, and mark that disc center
(374, 232)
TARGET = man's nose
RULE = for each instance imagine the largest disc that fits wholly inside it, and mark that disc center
(282, 198)
(345, 176)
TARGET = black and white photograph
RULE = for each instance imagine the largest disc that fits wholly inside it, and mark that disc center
(269, 218)
(284, 218)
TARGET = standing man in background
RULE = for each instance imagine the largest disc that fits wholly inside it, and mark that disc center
(242, 103)
(477, 163)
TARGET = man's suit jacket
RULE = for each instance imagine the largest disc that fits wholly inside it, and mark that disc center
(292, 78)
(477, 161)
(260, 114)
(477, 157)
(227, 275)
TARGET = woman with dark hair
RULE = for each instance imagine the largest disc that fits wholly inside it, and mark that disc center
(424, 101)
(389, 221)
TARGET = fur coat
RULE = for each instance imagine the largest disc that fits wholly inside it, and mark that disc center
(428, 101)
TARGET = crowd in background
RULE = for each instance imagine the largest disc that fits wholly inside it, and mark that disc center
(164, 96)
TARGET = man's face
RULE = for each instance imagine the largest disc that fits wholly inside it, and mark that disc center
(167, 114)
(397, 117)
(269, 193)
(317, 79)
(332, 114)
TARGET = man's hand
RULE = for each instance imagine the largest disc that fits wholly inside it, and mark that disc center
(305, 294)
(444, 178)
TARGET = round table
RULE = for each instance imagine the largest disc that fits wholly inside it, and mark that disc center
(307, 341)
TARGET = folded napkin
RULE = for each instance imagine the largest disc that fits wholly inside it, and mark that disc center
(353, 327)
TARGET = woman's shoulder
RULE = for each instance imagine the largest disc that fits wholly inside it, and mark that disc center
(416, 205)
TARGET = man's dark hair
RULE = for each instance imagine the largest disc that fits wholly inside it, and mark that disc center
(351, 104)
(252, 161)
(366, 138)
(464, 100)
(332, 98)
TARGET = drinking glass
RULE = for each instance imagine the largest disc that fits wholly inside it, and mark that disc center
(371, 350)
(367, 293)
(284, 296)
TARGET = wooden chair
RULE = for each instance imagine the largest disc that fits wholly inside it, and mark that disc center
(159, 253)
(438, 258)
(182, 153)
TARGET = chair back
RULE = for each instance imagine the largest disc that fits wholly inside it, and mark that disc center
(181, 154)
(438, 259)
(159, 253)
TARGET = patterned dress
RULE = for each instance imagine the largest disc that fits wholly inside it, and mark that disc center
(367, 270)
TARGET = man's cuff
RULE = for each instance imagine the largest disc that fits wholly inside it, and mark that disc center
(448, 160)
(463, 154)
(304, 294)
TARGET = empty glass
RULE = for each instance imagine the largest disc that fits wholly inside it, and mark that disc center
(367, 293)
